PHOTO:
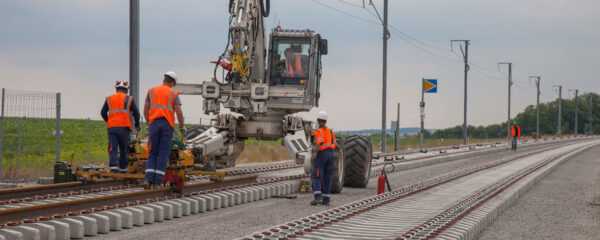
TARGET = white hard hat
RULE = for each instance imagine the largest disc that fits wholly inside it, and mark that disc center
(322, 115)
(122, 84)
(172, 75)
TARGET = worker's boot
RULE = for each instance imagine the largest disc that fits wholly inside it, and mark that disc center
(316, 202)
(327, 203)
(147, 185)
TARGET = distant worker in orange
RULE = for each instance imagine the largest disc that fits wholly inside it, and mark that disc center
(323, 164)
(515, 131)
(162, 102)
(116, 112)
(293, 64)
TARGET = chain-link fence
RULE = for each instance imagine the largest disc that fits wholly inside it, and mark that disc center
(28, 140)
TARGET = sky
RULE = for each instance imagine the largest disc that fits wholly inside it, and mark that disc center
(80, 48)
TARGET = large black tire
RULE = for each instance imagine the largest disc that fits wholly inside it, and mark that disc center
(194, 131)
(337, 177)
(357, 161)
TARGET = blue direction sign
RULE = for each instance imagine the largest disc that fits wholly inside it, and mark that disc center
(430, 85)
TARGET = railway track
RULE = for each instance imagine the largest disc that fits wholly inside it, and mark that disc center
(79, 217)
(51, 191)
(75, 201)
(453, 206)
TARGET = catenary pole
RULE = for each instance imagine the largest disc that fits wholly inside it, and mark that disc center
(422, 105)
(134, 49)
(509, 87)
(386, 35)
(559, 109)
(466, 60)
(537, 106)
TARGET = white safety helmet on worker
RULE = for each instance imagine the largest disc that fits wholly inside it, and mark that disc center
(122, 84)
(172, 75)
(322, 115)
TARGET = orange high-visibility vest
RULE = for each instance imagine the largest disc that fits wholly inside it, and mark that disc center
(161, 104)
(514, 133)
(298, 67)
(119, 105)
(325, 138)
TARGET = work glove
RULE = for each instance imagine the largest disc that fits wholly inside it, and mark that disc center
(183, 130)
(137, 129)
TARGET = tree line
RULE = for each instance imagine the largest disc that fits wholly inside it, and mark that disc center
(548, 120)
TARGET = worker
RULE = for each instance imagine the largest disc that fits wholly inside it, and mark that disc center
(515, 132)
(293, 64)
(116, 112)
(323, 161)
(162, 102)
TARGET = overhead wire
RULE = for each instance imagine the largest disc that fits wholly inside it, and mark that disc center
(345, 13)
(414, 42)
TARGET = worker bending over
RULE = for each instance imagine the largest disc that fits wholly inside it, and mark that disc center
(162, 102)
(323, 161)
(116, 113)
(515, 132)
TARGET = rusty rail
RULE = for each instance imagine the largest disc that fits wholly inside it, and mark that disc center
(89, 204)
(15, 193)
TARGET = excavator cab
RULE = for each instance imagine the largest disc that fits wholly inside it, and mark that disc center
(295, 63)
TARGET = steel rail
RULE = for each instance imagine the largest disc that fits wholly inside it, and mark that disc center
(25, 192)
(438, 224)
(48, 209)
(313, 223)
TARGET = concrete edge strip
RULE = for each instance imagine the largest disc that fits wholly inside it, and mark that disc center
(87, 225)
(472, 225)
(401, 166)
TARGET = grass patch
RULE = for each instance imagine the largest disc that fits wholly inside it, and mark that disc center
(37, 148)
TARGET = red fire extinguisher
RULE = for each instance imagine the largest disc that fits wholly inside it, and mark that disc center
(381, 183)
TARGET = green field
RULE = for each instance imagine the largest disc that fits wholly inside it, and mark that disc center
(38, 146)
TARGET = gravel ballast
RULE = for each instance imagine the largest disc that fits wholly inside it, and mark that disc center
(238, 221)
(563, 205)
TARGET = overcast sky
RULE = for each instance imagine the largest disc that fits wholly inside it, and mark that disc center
(80, 48)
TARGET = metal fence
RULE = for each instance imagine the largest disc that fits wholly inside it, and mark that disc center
(28, 139)
(30, 145)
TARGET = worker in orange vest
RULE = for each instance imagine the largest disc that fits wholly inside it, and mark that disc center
(116, 112)
(162, 102)
(293, 64)
(515, 132)
(323, 161)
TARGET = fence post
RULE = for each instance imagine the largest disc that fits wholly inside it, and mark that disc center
(20, 141)
(2, 131)
(88, 140)
(57, 127)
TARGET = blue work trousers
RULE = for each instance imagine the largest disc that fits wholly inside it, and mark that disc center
(161, 134)
(118, 139)
(322, 171)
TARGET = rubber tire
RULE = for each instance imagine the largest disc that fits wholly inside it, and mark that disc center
(357, 161)
(194, 131)
(337, 177)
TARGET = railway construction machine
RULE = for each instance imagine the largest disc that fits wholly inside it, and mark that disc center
(264, 89)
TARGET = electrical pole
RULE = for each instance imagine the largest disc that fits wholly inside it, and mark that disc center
(591, 107)
(397, 129)
(134, 49)
(465, 54)
(559, 105)
(509, 86)
(537, 107)
(576, 103)
(422, 105)
(386, 35)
